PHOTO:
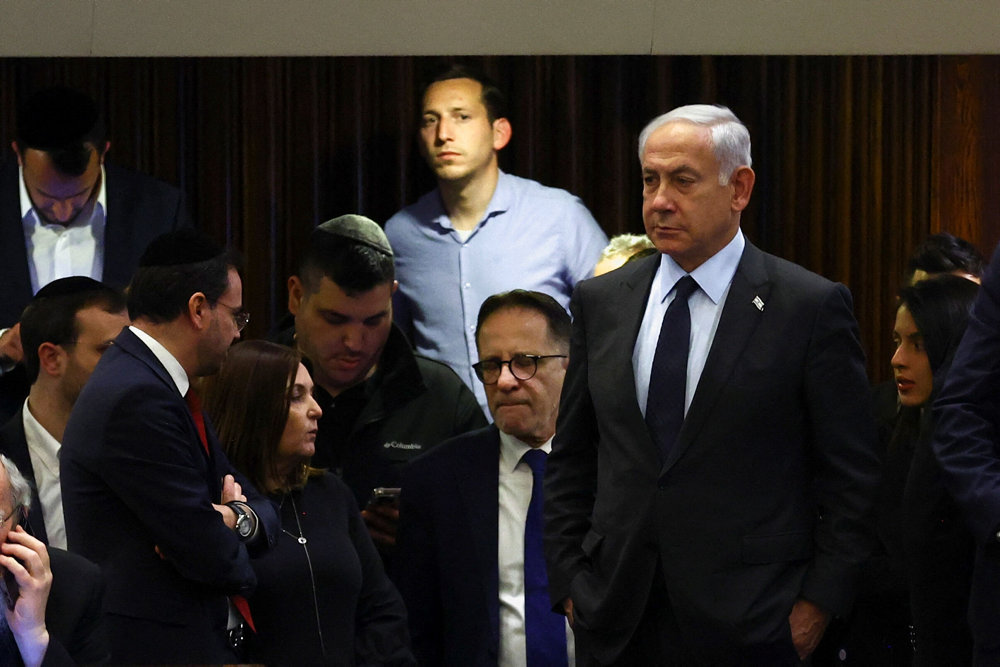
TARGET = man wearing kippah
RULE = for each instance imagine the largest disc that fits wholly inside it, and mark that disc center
(382, 404)
(65, 211)
(148, 493)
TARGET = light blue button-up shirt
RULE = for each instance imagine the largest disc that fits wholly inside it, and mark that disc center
(532, 237)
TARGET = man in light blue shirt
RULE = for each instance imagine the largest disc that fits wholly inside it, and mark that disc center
(481, 231)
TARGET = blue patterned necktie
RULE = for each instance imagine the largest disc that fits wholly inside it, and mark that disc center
(668, 377)
(544, 630)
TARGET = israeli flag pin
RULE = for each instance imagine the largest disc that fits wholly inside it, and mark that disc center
(759, 303)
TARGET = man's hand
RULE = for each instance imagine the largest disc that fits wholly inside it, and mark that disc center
(10, 346)
(231, 490)
(28, 560)
(382, 519)
(568, 609)
(808, 623)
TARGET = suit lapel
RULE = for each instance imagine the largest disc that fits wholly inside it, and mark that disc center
(628, 305)
(740, 318)
(478, 482)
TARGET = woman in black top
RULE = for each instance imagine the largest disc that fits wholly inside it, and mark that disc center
(322, 596)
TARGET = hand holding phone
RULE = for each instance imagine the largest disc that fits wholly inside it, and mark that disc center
(381, 515)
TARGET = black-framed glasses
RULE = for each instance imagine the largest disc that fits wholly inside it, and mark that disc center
(240, 316)
(521, 366)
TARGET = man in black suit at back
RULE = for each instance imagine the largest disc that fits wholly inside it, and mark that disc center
(66, 211)
(713, 463)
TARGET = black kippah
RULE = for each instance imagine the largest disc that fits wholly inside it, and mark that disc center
(70, 285)
(54, 118)
(184, 246)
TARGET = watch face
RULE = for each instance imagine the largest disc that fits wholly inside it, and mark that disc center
(243, 526)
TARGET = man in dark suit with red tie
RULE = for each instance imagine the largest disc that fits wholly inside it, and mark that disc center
(713, 461)
(148, 493)
(471, 563)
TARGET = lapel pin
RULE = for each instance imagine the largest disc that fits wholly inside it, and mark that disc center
(759, 303)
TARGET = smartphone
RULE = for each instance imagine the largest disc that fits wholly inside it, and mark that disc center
(9, 588)
(384, 494)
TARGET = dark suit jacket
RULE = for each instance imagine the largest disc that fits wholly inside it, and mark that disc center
(135, 477)
(448, 550)
(967, 444)
(763, 497)
(14, 445)
(73, 613)
(140, 208)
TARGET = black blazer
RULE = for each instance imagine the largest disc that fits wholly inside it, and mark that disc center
(14, 445)
(73, 612)
(967, 441)
(448, 550)
(763, 498)
(135, 478)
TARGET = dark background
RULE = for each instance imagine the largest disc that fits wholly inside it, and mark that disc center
(857, 158)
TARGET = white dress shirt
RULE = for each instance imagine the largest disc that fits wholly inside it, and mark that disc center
(714, 278)
(44, 452)
(514, 498)
(59, 251)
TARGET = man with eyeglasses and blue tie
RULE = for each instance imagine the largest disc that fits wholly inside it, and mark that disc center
(472, 569)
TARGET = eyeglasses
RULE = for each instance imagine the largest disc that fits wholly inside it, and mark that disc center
(240, 316)
(521, 366)
(5, 516)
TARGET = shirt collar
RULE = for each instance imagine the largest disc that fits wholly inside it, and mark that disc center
(174, 368)
(38, 439)
(713, 276)
(512, 449)
(502, 200)
(27, 208)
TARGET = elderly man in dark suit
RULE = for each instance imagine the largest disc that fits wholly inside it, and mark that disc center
(713, 461)
(472, 568)
(54, 615)
(66, 211)
(148, 493)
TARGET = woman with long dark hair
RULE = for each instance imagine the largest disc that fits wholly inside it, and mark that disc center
(322, 595)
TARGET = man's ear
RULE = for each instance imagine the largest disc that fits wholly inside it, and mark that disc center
(103, 154)
(742, 181)
(51, 359)
(296, 293)
(502, 132)
(198, 308)
(395, 286)
(17, 152)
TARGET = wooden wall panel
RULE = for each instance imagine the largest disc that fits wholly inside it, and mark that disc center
(857, 158)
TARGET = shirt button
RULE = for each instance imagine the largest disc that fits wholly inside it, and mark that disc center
(468, 285)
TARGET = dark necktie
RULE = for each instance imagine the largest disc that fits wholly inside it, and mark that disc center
(544, 630)
(668, 377)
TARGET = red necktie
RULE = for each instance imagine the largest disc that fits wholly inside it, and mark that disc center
(194, 405)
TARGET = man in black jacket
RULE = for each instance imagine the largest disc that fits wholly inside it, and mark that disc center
(382, 404)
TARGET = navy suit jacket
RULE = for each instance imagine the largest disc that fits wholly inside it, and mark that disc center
(448, 550)
(14, 445)
(140, 208)
(135, 478)
(967, 444)
(762, 500)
